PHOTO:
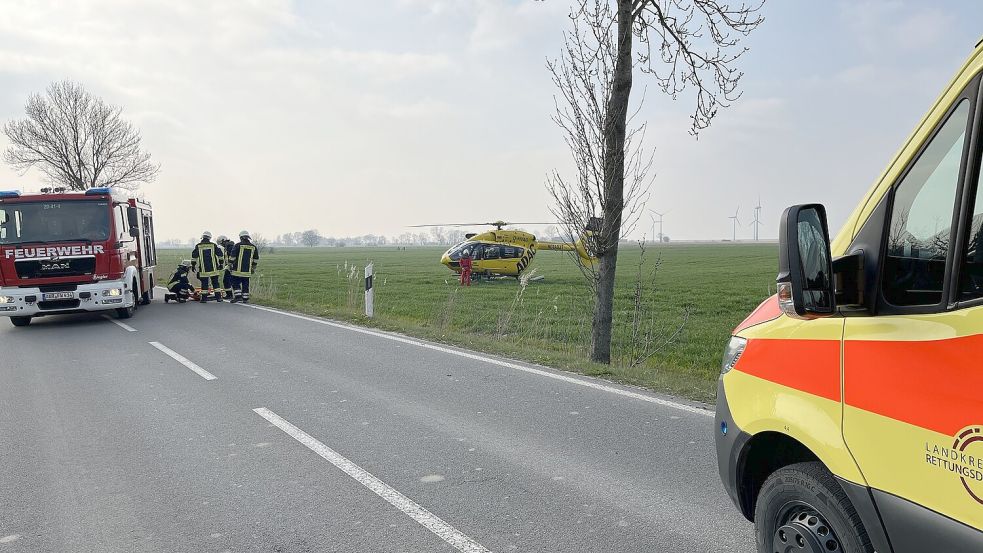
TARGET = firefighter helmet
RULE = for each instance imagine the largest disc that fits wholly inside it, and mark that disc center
(221, 238)
(186, 263)
(244, 234)
(207, 234)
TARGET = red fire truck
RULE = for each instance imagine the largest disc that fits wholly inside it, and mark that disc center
(74, 252)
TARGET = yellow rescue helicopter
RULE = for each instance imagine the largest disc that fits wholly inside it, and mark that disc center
(505, 252)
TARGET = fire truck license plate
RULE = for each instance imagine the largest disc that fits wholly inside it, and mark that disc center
(48, 296)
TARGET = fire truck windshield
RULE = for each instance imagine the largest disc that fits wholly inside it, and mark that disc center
(64, 221)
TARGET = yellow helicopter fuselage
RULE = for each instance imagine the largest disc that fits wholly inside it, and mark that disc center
(503, 252)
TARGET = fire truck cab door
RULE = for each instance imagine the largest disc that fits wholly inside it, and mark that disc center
(913, 372)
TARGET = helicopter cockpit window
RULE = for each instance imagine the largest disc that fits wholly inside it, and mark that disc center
(455, 253)
(509, 252)
(492, 252)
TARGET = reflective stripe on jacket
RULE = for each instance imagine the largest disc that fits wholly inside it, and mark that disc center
(208, 258)
(245, 256)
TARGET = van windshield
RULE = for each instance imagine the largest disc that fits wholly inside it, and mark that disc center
(22, 223)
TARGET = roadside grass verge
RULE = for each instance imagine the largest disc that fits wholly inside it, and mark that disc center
(547, 322)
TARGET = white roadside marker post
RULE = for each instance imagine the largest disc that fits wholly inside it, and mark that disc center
(369, 307)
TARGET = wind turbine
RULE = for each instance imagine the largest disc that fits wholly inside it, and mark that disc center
(736, 221)
(662, 215)
(757, 219)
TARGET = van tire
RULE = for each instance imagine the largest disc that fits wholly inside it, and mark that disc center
(20, 321)
(802, 503)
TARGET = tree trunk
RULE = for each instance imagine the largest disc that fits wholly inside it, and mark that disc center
(616, 121)
(603, 308)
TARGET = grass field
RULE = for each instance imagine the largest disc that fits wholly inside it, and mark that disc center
(547, 321)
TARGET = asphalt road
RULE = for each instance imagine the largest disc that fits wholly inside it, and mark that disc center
(250, 430)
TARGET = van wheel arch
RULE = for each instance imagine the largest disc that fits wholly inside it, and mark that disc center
(762, 456)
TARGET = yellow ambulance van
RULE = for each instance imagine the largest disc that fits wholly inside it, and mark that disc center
(850, 405)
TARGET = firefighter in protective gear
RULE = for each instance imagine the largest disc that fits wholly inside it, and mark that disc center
(243, 261)
(226, 245)
(208, 263)
(466, 263)
(178, 287)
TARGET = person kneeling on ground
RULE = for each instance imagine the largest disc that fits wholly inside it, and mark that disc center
(243, 263)
(178, 288)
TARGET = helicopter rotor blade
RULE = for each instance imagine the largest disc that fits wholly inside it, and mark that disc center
(449, 225)
(494, 224)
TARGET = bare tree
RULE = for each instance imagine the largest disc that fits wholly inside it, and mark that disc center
(77, 141)
(262, 243)
(438, 235)
(683, 43)
(310, 238)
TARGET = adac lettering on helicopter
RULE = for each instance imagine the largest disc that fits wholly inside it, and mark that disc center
(47, 252)
(526, 258)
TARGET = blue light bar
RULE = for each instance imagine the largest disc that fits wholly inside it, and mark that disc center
(98, 191)
(9, 194)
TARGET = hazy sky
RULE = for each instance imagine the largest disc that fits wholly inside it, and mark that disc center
(366, 117)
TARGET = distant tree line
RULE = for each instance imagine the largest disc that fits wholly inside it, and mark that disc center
(437, 236)
(310, 238)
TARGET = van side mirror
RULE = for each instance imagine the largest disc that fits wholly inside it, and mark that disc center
(806, 287)
(134, 232)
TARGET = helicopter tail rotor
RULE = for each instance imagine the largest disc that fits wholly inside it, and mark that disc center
(584, 244)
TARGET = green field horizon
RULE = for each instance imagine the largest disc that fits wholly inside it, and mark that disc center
(693, 295)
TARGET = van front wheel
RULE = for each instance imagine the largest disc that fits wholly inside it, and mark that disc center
(802, 509)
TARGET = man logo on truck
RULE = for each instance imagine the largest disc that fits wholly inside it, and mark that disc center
(55, 266)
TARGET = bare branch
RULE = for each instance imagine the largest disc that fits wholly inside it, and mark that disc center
(78, 141)
(697, 44)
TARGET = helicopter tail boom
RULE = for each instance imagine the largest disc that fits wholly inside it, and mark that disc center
(577, 246)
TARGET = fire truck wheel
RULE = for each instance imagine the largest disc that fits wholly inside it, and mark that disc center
(802, 509)
(127, 312)
(20, 321)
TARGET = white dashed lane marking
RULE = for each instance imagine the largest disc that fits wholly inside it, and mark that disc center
(409, 507)
(120, 324)
(184, 361)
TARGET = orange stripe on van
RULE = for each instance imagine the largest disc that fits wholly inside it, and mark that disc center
(811, 366)
(925, 383)
(767, 311)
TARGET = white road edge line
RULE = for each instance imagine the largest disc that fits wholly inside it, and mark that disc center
(183, 360)
(120, 324)
(409, 507)
(499, 362)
